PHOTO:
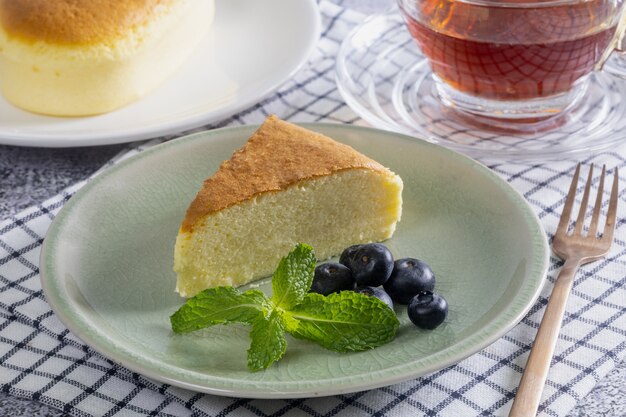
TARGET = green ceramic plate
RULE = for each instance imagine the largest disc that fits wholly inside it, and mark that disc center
(106, 268)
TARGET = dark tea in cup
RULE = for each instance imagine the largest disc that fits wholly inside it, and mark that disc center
(512, 58)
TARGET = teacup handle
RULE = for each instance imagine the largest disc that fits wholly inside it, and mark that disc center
(620, 33)
(618, 43)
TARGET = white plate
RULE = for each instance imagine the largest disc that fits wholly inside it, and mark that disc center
(251, 49)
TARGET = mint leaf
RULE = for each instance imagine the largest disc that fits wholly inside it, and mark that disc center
(219, 305)
(268, 341)
(293, 277)
(345, 321)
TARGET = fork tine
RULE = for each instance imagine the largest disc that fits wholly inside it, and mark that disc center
(569, 203)
(609, 227)
(593, 227)
(580, 220)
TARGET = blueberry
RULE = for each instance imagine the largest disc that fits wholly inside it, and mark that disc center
(409, 277)
(370, 264)
(427, 310)
(347, 254)
(376, 292)
(332, 277)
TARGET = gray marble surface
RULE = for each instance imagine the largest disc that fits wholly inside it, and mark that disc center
(31, 175)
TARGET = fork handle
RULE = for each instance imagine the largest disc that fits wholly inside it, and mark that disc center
(530, 389)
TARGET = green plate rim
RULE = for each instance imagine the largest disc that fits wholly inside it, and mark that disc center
(332, 386)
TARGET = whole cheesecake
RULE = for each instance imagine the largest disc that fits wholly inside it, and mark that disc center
(84, 57)
(286, 185)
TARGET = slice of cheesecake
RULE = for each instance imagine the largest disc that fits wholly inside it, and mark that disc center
(286, 185)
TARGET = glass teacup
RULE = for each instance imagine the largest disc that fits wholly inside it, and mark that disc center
(514, 60)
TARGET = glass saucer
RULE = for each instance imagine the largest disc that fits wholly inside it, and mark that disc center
(384, 78)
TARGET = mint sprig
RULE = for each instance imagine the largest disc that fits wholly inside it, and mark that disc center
(343, 322)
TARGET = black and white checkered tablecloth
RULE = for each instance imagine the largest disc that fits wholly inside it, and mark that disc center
(40, 359)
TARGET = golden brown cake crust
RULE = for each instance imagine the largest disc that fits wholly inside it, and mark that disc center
(75, 22)
(276, 156)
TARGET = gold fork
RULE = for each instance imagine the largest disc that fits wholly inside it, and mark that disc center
(575, 249)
